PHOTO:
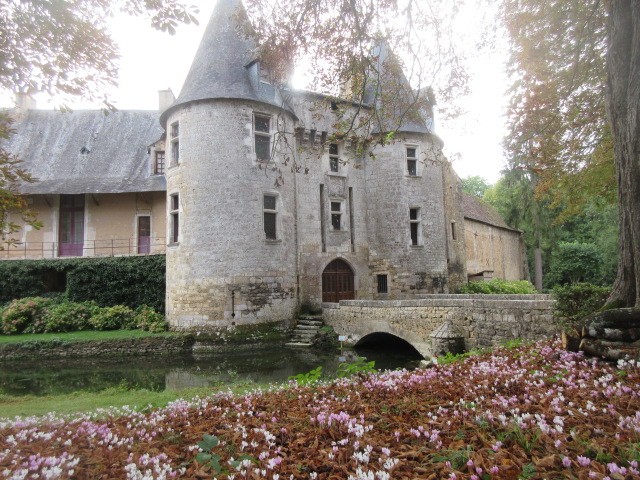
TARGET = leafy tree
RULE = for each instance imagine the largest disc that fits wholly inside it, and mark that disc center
(10, 175)
(575, 61)
(475, 185)
(558, 128)
(576, 262)
(62, 48)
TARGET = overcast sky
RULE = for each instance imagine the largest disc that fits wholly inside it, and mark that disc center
(152, 61)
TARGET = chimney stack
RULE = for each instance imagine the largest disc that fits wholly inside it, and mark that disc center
(165, 99)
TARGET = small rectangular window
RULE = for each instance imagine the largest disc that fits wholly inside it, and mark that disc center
(453, 230)
(382, 284)
(414, 226)
(175, 143)
(334, 159)
(412, 161)
(174, 217)
(336, 215)
(159, 163)
(270, 216)
(262, 136)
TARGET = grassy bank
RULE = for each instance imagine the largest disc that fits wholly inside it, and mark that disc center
(86, 336)
(81, 402)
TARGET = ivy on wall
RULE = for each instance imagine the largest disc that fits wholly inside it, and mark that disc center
(130, 281)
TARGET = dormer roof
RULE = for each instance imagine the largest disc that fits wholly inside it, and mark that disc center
(221, 68)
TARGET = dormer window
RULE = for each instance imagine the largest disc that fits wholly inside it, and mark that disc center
(264, 73)
(262, 136)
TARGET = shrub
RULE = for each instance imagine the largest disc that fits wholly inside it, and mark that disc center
(131, 281)
(114, 318)
(67, 317)
(149, 320)
(20, 314)
(575, 302)
(575, 263)
(498, 286)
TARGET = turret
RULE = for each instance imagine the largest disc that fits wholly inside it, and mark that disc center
(231, 252)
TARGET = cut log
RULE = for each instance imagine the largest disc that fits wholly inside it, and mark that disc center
(610, 350)
(618, 319)
(614, 334)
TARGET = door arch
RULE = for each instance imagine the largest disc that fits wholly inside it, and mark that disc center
(338, 282)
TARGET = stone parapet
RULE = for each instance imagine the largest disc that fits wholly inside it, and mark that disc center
(483, 320)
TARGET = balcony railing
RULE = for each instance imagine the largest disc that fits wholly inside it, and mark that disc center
(115, 247)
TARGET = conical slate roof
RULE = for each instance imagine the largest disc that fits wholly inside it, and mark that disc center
(389, 72)
(219, 69)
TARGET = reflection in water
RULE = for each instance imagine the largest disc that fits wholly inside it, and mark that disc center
(263, 365)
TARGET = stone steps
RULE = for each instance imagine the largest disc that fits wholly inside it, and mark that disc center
(305, 331)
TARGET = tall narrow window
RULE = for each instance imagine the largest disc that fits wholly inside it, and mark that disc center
(174, 213)
(159, 163)
(336, 215)
(453, 230)
(383, 284)
(414, 226)
(144, 234)
(262, 136)
(175, 143)
(334, 159)
(412, 161)
(270, 214)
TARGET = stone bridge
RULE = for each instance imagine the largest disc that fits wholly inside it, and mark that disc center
(481, 320)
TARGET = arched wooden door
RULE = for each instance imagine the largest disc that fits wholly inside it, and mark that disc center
(337, 282)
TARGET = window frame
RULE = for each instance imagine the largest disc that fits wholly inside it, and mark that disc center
(174, 131)
(380, 284)
(174, 218)
(408, 160)
(339, 213)
(417, 224)
(275, 212)
(259, 133)
(334, 158)
(159, 167)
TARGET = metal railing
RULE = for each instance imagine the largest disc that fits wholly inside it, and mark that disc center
(114, 247)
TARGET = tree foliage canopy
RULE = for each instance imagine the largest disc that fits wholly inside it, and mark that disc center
(557, 119)
(62, 48)
(65, 48)
(395, 54)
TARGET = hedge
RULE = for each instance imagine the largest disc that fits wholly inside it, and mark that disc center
(109, 281)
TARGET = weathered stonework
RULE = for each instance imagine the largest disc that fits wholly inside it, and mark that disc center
(157, 345)
(483, 320)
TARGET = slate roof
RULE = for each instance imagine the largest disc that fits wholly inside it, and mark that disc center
(476, 209)
(389, 70)
(115, 158)
(220, 67)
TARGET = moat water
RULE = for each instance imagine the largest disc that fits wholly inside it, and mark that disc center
(256, 365)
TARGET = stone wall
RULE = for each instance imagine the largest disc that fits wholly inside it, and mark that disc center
(483, 320)
(494, 249)
(157, 345)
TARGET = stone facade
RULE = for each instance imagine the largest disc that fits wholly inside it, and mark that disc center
(483, 320)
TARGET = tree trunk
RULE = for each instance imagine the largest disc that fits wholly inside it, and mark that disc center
(623, 109)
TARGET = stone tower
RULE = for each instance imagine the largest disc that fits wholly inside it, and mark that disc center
(231, 255)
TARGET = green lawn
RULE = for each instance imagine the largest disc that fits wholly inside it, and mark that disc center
(77, 402)
(80, 336)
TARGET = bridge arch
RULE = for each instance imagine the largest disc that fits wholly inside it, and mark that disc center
(383, 341)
